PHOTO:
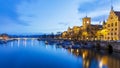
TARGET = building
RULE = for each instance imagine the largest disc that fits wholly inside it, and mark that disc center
(110, 30)
(4, 36)
(89, 30)
(85, 32)
(112, 26)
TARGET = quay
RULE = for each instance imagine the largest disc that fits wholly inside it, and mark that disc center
(103, 45)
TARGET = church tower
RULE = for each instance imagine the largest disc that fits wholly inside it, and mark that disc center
(86, 21)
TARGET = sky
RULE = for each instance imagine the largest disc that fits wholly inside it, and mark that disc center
(47, 16)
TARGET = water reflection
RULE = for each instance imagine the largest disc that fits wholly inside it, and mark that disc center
(18, 43)
(92, 59)
(85, 58)
(21, 42)
(25, 43)
(11, 44)
(96, 60)
(32, 42)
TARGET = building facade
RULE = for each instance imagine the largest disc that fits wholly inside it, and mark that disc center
(112, 26)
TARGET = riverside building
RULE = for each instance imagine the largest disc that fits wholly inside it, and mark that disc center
(110, 30)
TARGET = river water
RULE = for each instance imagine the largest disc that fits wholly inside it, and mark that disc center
(37, 54)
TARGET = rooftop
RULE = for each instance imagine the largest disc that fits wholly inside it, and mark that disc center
(117, 13)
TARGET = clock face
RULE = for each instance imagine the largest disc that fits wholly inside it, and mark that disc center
(87, 21)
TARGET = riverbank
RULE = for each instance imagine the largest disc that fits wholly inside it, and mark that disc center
(115, 45)
(5, 41)
(103, 45)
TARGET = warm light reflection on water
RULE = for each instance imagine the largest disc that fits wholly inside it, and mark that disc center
(102, 61)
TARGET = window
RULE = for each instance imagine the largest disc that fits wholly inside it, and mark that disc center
(115, 28)
(112, 24)
(115, 33)
(115, 23)
(111, 33)
(108, 25)
(87, 21)
(111, 38)
(111, 29)
(111, 17)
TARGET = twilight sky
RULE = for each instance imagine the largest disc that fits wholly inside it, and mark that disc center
(46, 16)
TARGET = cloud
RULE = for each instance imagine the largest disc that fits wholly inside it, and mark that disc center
(44, 14)
(9, 26)
(51, 15)
(8, 10)
(97, 10)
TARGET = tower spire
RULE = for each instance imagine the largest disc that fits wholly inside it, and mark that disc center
(86, 14)
(112, 9)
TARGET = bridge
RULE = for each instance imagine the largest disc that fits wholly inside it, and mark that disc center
(24, 42)
(23, 38)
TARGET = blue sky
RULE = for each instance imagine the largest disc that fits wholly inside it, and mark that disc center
(46, 16)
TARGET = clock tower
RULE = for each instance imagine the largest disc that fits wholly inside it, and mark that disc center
(86, 21)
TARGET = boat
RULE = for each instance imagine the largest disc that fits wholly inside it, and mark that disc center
(46, 42)
(3, 41)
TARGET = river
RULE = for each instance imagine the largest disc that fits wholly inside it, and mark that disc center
(37, 54)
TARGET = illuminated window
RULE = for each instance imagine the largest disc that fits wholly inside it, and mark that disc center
(87, 21)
